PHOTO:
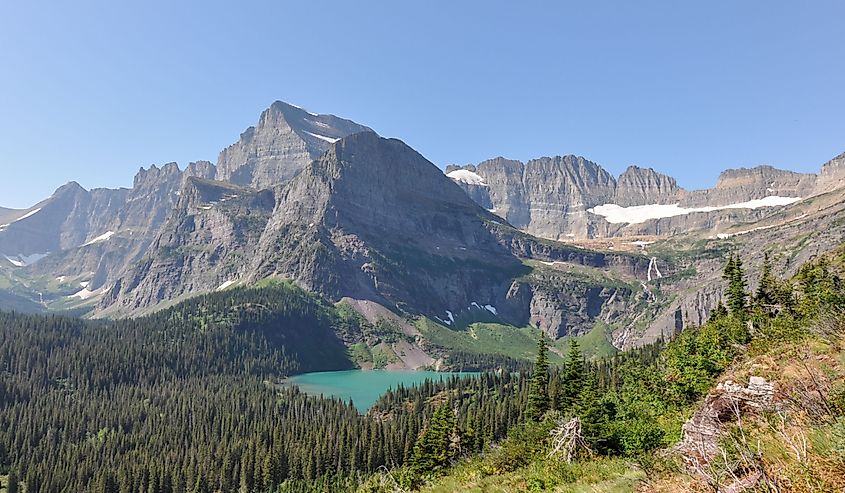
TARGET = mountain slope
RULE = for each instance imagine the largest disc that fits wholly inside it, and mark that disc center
(372, 221)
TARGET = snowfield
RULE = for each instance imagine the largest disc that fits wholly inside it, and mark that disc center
(103, 237)
(330, 140)
(21, 260)
(225, 285)
(86, 293)
(616, 214)
(467, 176)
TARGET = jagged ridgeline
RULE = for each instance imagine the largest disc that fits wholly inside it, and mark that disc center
(557, 244)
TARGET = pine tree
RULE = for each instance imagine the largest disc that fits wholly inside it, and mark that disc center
(596, 415)
(766, 294)
(199, 485)
(572, 377)
(12, 483)
(538, 397)
(435, 448)
(736, 287)
(718, 313)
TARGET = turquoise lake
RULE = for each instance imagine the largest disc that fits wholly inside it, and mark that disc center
(364, 387)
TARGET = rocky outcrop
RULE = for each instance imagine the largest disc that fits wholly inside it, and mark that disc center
(547, 196)
(703, 431)
(67, 219)
(373, 221)
(283, 142)
(832, 175)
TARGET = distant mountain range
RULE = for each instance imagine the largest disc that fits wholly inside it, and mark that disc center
(555, 243)
(570, 197)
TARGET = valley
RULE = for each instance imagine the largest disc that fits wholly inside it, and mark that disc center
(308, 269)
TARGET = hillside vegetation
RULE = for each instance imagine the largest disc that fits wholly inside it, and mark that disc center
(189, 400)
(616, 425)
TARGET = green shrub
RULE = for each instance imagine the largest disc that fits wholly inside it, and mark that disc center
(640, 435)
(837, 436)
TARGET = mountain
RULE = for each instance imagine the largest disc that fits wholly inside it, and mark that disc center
(556, 244)
(285, 140)
(568, 197)
(373, 222)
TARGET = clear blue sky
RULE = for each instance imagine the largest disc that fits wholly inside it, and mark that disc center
(91, 91)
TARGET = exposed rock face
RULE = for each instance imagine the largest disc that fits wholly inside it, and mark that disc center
(64, 220)
(285, 140)
(555, 197)
(371, 220)
(832, 175)
(546, 195)
(744, 184)
(704, 431)
(206, 242)
(638, 186)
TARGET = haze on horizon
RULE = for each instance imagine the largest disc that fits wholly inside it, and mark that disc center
(100, 89)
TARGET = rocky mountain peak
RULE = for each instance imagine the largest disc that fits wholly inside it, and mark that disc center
(69, 188)
(285, 140)
(637, 186)
(200, 169)
(153, 175)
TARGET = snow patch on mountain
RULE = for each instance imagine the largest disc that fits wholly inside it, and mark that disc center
(21, 260)
(28, 214)
(642, 244)
(636, 214)
(225, 285)
(103, 237)
(330, 140)
(86, 293)
(467, 176)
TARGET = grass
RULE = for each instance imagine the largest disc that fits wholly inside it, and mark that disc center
(488, 338)
(514, 342)
(608, 475)
(595, 344)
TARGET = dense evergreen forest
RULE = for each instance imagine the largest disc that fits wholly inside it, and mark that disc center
(190, 400)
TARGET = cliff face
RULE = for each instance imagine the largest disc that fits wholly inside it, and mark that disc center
(64, 220)
(566, 198)
(832, 175)
(547, 195)
(637, 186)
(105, 231)
(370, 219)
(206, 242)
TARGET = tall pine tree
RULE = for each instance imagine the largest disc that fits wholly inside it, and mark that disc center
(766, 294)
(436, 447)
(572, 377)
(737, 296)
(538, 396)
